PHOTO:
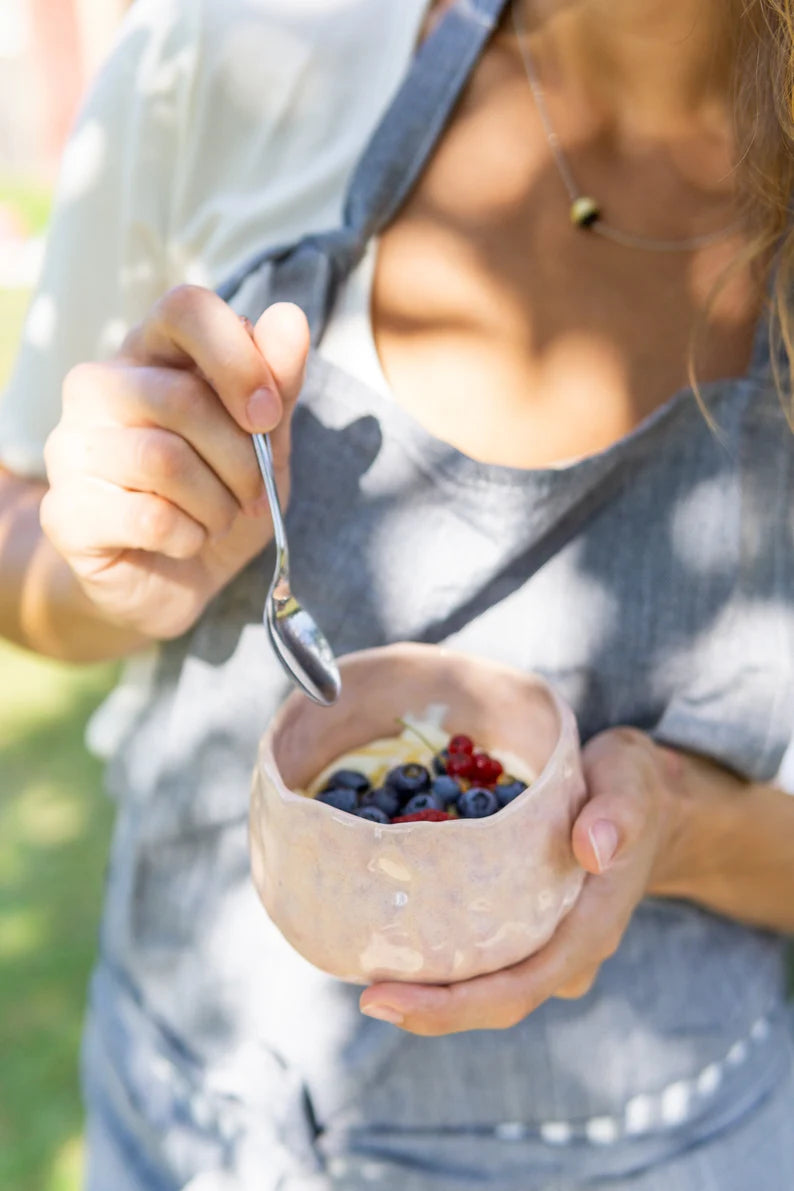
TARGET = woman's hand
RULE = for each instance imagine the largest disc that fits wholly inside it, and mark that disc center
(155, 497)
(622, 837)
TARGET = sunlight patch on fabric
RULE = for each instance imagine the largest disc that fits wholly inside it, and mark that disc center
(82, 162)
(41, 323)
(701, 528)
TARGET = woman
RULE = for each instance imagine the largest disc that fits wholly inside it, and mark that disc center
(507, 455)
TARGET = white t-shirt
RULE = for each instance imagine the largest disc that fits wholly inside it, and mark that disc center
(278, 96)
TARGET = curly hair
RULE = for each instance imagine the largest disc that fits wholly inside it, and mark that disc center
(763, 93)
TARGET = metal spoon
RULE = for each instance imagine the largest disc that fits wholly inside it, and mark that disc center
(300, 646)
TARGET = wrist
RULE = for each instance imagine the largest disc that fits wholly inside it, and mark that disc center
(701, 804)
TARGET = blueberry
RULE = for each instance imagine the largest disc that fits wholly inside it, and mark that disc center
(373, 813)
(477, 803)
(440, 762)
(507, 791)
(341, 798)
(347, 779)
(428, 801)
(383, 799)
(447, 789)
(407, 780)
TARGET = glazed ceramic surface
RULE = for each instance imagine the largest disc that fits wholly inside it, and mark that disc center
(431, 902)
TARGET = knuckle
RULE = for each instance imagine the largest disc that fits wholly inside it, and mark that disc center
(79, 380)
(154, 521)
(178, 303)
(185, 394)
(161, 455)
(629, 736)
(616, 744)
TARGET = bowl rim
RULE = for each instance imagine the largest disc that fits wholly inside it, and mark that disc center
(266, 761)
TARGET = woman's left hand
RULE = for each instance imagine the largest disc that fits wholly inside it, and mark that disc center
(623, 838)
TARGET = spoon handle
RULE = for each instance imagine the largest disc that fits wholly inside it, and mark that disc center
(264, 457)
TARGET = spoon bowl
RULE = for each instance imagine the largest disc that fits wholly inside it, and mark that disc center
(301, 647)
(296, 638)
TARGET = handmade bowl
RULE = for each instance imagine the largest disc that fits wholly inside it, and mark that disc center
(422, 901)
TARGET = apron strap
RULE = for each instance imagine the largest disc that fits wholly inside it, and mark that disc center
(310, 271)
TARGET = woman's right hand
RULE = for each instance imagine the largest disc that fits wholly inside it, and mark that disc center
(155, 497)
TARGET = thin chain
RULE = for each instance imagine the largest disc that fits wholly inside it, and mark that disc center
(597, 224)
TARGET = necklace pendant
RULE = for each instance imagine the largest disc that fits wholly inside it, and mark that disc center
(584, 211)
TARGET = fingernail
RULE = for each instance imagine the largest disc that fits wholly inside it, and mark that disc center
(263, 410)
(604, 841)
(383, 1013)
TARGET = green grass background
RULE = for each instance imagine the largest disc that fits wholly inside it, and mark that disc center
(54, 828)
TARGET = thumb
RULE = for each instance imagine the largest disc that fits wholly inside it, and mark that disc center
(283, 337)
(597, 837)
(620, 768)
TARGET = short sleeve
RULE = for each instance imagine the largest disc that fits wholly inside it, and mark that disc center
(106, 256)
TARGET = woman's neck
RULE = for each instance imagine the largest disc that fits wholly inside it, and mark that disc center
(658, 63)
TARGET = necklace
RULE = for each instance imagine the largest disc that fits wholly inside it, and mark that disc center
(585, 211)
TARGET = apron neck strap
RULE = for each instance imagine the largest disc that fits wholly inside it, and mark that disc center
(404, 140)
(311, 271)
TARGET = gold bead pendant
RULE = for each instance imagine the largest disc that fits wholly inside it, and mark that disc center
(584, 211)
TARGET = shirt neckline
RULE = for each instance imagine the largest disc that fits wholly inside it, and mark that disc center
(350, 334)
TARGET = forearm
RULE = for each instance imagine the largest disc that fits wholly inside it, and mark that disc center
(731, 846)
(42, 606)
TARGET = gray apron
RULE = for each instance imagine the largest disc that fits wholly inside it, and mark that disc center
(652, 583)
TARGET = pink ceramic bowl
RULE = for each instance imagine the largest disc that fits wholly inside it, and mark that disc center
(432, 902)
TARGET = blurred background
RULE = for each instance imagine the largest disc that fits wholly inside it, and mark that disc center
(54, 819)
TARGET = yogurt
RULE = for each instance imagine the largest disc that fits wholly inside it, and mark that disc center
(375, 759)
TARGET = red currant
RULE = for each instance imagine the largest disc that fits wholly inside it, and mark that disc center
(428, 816)
(460, 765)
(461, 744)
(486, 769)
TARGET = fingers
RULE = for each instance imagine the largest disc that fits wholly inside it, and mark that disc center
(493, 1002)
(191, 326)
(89, 518)
(157, 399)
(565, 967)
(147, 460)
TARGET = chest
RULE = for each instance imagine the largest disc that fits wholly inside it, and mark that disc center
(518, 338)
